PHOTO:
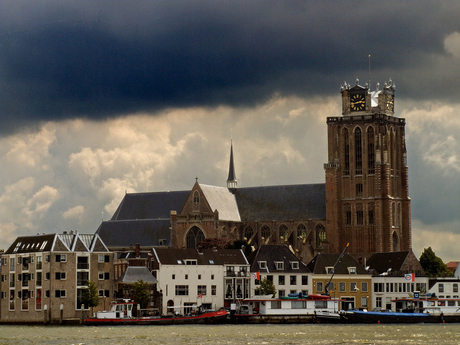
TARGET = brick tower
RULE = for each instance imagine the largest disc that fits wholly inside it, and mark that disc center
(367, 189)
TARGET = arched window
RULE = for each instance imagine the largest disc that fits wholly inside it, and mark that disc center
(346, 153)
(393, 214)
(370, 151)
(302, 231)
(194, 237)
(398, 215)
(283, 231)
(396, 247)
(358, 152)
(248, 233)
(265, 232)
(320, 235)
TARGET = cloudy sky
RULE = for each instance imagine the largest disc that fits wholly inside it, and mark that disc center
(100, 98)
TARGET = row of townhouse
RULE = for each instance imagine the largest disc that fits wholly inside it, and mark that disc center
(43, 277)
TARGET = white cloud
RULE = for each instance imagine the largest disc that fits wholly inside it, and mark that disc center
(452, 44)
(74, 212)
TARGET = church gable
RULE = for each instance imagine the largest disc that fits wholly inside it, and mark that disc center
(196, 202)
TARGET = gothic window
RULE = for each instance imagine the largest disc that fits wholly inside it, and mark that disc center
(359, 214)
(370, 151)
(358, 152)
(302, 231)
(371, 214)
(265, 232)
(395, 242)
(320, 234)
(196, 200)
(359, 189)
(346, 143)
(398, 215)
(248, 232)
(347, 214)
(283, 232)
(194, 237)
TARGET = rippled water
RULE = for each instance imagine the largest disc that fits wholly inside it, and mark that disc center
(234, 334)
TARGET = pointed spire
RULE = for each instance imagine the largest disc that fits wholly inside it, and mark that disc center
(231, 180)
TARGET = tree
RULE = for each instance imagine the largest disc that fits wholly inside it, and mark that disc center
(141, 293)
(266, 288)
(433, 265)
(90, 297)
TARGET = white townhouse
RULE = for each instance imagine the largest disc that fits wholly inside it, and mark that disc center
(213, 278)
(444, 287)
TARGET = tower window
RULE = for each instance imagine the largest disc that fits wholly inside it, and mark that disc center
(348, 215)
(346, 170)
(370, 151)
(371, 217)
(359, 217)
(359, 189)
(358, 152)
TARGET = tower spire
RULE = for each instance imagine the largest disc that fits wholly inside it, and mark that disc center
(231, 180)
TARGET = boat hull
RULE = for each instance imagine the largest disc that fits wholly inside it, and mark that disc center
(206, 318)
(388, 317)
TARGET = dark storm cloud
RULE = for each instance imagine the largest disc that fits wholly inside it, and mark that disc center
(96, 59)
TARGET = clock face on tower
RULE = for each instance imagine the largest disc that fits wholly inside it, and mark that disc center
(390, 102)
(357, 102)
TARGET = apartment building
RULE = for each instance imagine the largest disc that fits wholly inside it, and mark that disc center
(43, 277)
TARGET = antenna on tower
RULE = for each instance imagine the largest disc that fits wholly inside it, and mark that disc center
(369, 70)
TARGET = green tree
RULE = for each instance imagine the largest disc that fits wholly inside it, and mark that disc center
(90, 297)
(141, 293)
(433, 265)
(266, 288)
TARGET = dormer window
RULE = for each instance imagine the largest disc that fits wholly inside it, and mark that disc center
(295, 265)
(279, 265)
(190, 262)
(352, 270)
(329, 270)
(263, 265)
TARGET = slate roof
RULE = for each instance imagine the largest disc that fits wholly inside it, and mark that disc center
(170, 256)
(156, 205)
(134, 273)
(275, 253)
(381, 262)
(304, 201)
(319, 263)
(221, 199)
(127, 233)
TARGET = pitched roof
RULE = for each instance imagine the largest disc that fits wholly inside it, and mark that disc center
(133, 274)
(382, 262)
(319, 263)
(156, 205)
(304, 201)
(174, 256)
(276, 253)
(73, 241)
(222, 200)
(125, 233)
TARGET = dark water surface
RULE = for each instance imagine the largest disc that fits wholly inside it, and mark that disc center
(233, 334)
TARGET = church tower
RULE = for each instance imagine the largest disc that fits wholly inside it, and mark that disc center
(231, 180)
(367, 189)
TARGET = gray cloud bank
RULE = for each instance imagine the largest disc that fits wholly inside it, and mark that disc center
(99, 59)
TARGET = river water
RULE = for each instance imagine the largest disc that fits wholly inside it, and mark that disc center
(233, 334)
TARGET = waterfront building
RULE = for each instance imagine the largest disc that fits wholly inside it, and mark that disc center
(278, 264)
(348, 281)
(444, 287)
(43, 277)
(213, 278)
(395, 275)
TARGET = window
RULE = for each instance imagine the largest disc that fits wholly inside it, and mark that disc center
(346, 170)
(190, 262)
(101, 275)
(455, 287)
(359, 189)
(370, 151)
(378, 302)
(262, 265)
(47, 258)
(59, 293)
(82, 278)
(279, 265)
(281, 280)
(304, 280)
(371, 217)
(47, 276)
(295, 265)
(201, 289)
(199, 276)
(12, 280)
(319, 286)
(293, 280)
(378, 287)
(298, 304)
(363, 302)
(181, 290)
(358, 152)
(61, 258)
(60, 275)
(12, 264)
(39, 279)
(348, 215)
(353, 287)
(320, 304)
(364, 286)
(213, 290)
(39, 263)
(212, 276)
(441, 288)
(270, 278)
(352, 270)
(276, 304)
(329, 270)
(47, 293)
(173, 276)
(186, 276)
(360, 217)
(342, 286)
(82, 263)
(104, 293)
